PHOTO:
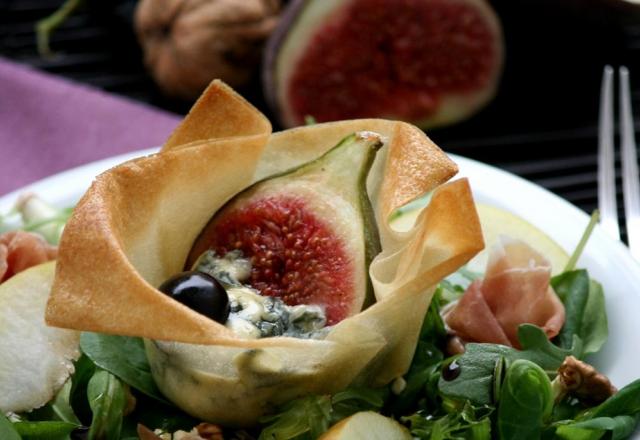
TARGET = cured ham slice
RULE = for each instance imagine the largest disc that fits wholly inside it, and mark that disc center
(515, 291)
(20, 250)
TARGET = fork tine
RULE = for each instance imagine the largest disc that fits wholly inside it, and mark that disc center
(606, 171)
(630, 177)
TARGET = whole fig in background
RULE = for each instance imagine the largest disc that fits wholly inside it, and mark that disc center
(187, 43)
(429, 62)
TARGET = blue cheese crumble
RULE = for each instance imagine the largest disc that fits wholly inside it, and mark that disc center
(253, 315)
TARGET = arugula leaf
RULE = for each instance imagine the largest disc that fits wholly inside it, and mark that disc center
(61, 405)
(624, 402)
(526, 400)
(7, 429)
(433, 329)
(621, 427)
(585, 311)
(355, 399)
(107, 400)
(124, 357)
(478, 363)
(309, 417)
(568, 408)
(45, 430)
(619, 414)
(58, 409)
(424, 367)
(298, 419)
(467, 423)
(426, 361)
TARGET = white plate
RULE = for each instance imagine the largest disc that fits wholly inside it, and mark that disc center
(607, 261)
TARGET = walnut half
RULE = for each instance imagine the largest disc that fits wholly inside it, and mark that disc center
(584, 382)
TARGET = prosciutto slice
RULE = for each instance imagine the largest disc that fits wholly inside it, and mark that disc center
(20, 250)
(515, 291)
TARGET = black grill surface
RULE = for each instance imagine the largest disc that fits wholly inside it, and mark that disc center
(542, 124)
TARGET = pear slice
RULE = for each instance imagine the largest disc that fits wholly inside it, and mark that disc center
(310, 232)
(35, 360)
(367, 425)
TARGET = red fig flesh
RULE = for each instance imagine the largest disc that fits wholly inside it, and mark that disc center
(309, 232)
(429, 62)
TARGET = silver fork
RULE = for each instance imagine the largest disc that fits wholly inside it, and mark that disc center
(606, 169)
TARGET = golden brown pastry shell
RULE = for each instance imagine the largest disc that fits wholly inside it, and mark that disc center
(135, 225)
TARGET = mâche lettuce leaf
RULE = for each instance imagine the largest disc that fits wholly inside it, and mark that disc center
(107, 399)
(7, 429)
(477, 365)
(525, 402)
(47, 430)
(585, 311)
(123, 356)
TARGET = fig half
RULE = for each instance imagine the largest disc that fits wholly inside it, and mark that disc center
(428, 62)
(310, 232)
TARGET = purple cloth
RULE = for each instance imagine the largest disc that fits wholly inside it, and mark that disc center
(48, 125)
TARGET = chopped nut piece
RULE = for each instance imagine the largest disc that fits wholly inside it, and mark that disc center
(584, 382)
(209, 431)
(146, 434)
(204, 431)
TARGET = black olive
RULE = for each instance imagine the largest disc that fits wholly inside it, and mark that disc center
(200, 292)
(451, 371)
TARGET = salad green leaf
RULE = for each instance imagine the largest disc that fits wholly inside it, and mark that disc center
(61, 405)
(46, 430)
(620, 427)
(308, 417)
(8, 429)
(619, 415)
(157, 415)
(427, 359)
(107, 399)
(526, 401)
(355, 399)
(624, 402)
(585, 311)
(567, 408)
(124, 357)
(466, 423)
(58, 409)
(304, 418)
(84, 371)
(477, 365)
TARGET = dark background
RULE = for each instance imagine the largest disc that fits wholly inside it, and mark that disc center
(542, 125)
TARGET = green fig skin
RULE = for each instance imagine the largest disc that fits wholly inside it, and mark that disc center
(330, 194)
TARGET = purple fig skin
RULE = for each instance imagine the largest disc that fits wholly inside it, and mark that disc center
(454, 106)
(272, 48)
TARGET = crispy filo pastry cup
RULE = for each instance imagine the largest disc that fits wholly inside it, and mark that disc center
(136, 224)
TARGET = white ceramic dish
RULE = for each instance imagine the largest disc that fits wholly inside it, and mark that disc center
(607, 261)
